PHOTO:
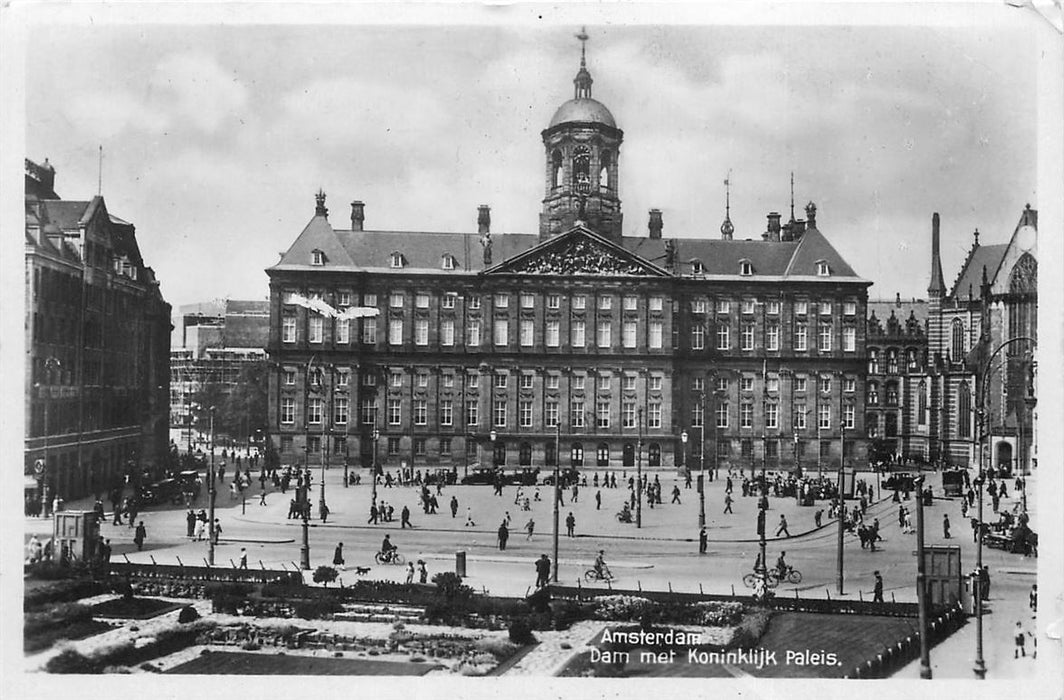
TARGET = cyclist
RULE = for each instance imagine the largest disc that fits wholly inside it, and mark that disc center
(782, 567)
(387, 548)
(600, 564)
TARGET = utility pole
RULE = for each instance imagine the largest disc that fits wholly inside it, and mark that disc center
(921, 582)
(842, 507)
(639, 472)
(557, 496)
(211, 491)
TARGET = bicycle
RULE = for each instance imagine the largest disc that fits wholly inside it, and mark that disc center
(792, 575)
(593, 574)
(390, 557)
(752, 579)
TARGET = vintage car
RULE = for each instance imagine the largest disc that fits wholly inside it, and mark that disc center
(567, 477)
(901, 481)
(481, 475)
(161, 493)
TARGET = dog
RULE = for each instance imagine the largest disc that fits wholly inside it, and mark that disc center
(361, 570)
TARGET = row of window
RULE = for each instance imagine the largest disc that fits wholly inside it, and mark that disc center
(577, 334)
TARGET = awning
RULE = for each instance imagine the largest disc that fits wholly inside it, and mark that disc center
(29, 483)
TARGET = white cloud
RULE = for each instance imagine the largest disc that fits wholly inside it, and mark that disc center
(196, 88)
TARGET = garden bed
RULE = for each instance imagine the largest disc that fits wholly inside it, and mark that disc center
(252, 664)
(134, 608)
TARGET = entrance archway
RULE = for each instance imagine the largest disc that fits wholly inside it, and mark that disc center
(1003, 456)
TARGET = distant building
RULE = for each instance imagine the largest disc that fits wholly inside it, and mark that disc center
(213, 341)
(97, 334)
(568, 345)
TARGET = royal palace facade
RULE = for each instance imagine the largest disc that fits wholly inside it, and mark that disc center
(575, 345)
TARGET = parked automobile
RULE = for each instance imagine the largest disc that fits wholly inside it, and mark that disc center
(567, 477)
(527, 476)
(162, 492)
(481, 475)
(902, 481)
(191, 483)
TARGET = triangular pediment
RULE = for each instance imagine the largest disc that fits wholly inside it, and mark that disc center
(578, 251)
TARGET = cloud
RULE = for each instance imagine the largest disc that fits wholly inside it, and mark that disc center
(196, 88)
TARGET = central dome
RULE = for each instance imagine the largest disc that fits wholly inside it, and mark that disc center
(583, 109)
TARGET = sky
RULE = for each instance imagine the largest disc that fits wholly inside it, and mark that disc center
(216, 136)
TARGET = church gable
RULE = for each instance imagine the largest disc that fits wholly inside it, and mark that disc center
(578, 252)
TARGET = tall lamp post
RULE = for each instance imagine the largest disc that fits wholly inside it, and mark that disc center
(44, 473)
(373, 468)
(557, 496)
(493, 436)
(921, 582)
(639, 472)
(211, 492)
(842, 509)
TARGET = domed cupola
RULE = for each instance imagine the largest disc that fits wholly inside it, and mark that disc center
(582, 148)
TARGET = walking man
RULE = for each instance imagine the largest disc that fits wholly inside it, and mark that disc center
(675, 494)
(877, 590)
(190, 523)
(945, 525)
(783, 526)
(728, 500)
(262, 495)
(570, 524)
(504, 534)
(372, 516)
(338, 556)
(542, 570)
(817, 517)
(454, 506)
(243, 558)
(530, 526)
(140, 534)
(703, 541)
(598, 500)
(404, 518)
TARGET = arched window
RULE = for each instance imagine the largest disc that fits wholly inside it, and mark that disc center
(654, 454)
(892, 361)
(604, 171)
(556, 168)
(603, 455)
(873, 394)
(582, 170)
(524, 456)
(921, 404)
(957, 340)
(910, 359)
(576, 455)
(873, 361)
(628, 455)
(964, 411)
(1023, 311)
(892, 393)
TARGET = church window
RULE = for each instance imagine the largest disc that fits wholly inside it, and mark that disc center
(964, 410)
(604, 172)
(957, 337)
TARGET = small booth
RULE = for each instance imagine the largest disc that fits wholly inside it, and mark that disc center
(77, 532)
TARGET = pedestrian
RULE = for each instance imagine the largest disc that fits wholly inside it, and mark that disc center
(598, 500)
(783, 526)
(530, 527)
(105, 552)
(945, 526)
(877, 590)
(262, 495)
(372, 515)
(323, 510)
(818, 517)
(984, 582)
(405, 518)
(703, 541)
(423, 572)
(506, 518)
(190, 523)
(454, 506)
(504, 534)
(410, 572)
(243, 558)
(338, 556)
(570, 524)
(217, 533)
(728, 500)
(1021, 638)
(542, 570)
(1032, 598)
(675, 494)
(140, 534)
(197, 534)
(469, 517)
(576, 494)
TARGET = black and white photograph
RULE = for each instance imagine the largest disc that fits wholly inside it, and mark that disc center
(474, 343)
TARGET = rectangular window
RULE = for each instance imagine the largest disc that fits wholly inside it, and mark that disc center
(550, 415)
(605, 303)
(554, 301)
(395, 411)
(578, 382)
(422, 379)
(395, 301)
(528, 301)
(290, 377)
(723, 448)
(629, 382)
(602, 414)
(825, 308)
(799, 416)
(801, 337)
(604, 334)
(698, 306)
(848, 415)
(447, 302)
(502, 301)
(849, 308)
(473, 333)
(825, 384)
(448, 381)
(723, 305)
(501, 380)
(628, 414)
(343, 299)
(773, 308)
(553, 381)
(849, 339)
(656, 333)
(576, 414)
(525, 413)
(369, 412)
(447, 332)
(723, 337)
(630, 303)
(527, 381)
(746, 415)
(340, 410)
(772, 383)
(577, 333)
(799, 384)
(772, 337)
(317, 329)
(696, 415)
(801, 308)
(553, 333)
(472, 413)
(722, 414)
(527, 332)
(698, 337)
(314, 411)
(419, 446)
(313, 443)
(421, 331)
(369, 300)
(628, 334)
(579, 301)
(824, 337)
(473, 302)
(748, 305)
(746, 383)
(747, 447)
(772, 448)
(656, 303)
(498, 413)
(395, 379)
(655, 382)
(288, 410)
(654, 415)
(395, 331)
(747, 336)
(772, 416)
(393, 446)
(824, 417)
(343, 331)
(369, 379)
(849, 385)
(343, 377)
(421, 300)
(288, 329)
(421, 412)
(501, 330)
(445, 446)
(369, 331)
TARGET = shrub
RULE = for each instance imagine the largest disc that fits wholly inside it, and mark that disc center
(521, 631)
(449, 586)
(71, 661)
(498, 648)
(325, 574)
(188, 614)
(62, 591)
(750, 629)
(315, 609)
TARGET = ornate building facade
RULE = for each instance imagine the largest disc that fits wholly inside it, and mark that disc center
(97, 341)
(574, 345)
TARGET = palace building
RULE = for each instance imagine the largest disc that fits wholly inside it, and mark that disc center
(575, 345)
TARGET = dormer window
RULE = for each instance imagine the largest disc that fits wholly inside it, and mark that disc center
(822, 269)
(317, 257)
(397, 260)
(697, 267)
(448, 261)
(746, 268)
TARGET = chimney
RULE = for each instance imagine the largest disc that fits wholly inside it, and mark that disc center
(655, 224)
(810, 214)
(358, 215)
(773, 226)
(483, 219)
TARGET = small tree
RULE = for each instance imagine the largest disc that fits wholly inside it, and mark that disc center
(325, 574)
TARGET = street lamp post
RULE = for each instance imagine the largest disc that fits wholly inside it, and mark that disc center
(493, 435)
(211, 491)
(373, 468)
(639, 473)
(842, 509)
(921, 582)
(557, 493)
(763, 515)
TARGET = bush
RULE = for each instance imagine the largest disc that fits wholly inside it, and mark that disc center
(71, 661)
(62, 591)
(521, 631)
(325, 574)
(315, 609)
(188, 614)
(499, 648)
(751, 629)
(449, 587)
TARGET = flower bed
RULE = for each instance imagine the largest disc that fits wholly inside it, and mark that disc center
(133, 608)
(63, 621)
(129, 652)
(623, 608)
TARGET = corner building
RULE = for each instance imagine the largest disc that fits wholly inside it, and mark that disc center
(570, 343)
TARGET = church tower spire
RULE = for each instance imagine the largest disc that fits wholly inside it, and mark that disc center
(726, 228)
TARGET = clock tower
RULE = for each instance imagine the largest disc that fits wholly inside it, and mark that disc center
(582, 147)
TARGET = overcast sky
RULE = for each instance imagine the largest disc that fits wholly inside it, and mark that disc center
(215, 138)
